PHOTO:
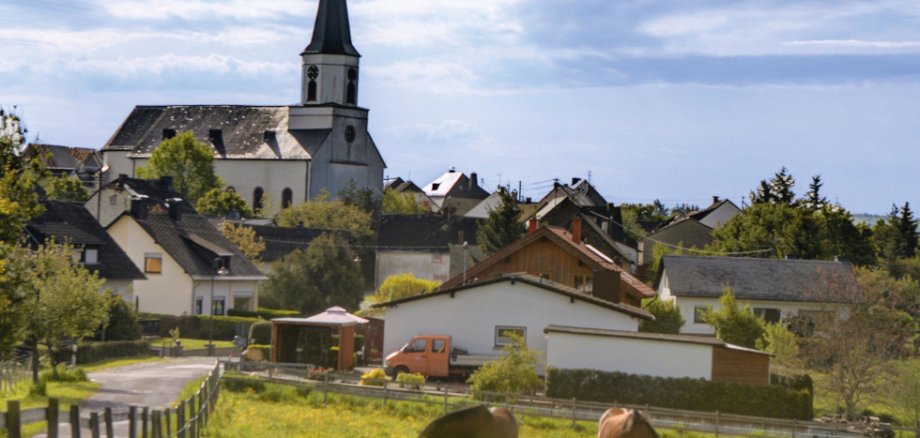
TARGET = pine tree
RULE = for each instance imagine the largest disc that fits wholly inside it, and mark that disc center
(502, 226)
(907, 226)
(813, 199)
(778, 190)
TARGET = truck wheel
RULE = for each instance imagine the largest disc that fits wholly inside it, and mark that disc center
(399, 370)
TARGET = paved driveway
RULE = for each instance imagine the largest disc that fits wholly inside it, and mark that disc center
(154, 384)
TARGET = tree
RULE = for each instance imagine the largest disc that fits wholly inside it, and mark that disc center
(364, 198)
(813, 199)
(220, 203)
(245, 238)
(905, 391)
(320, 212)
(733, 323)
(778, 190)
(403, 286)
(907, 226)
(781, 343)
(14, 279)
(512, 375)
(188, 161)
(120, 323)
(324, 275)
(19, 202)
(667, 317)
(64, 301)
(66, 188)
(401, 203)
(765, 230)
(503, 226)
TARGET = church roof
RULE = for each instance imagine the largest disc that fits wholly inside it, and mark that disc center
(233, 131)
(331, 33)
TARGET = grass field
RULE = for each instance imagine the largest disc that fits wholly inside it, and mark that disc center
(280, 411)
(190, 344)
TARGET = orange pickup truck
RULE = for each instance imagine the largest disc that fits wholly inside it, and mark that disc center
(433, 356)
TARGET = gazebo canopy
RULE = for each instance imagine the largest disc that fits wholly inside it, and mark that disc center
(335, 316)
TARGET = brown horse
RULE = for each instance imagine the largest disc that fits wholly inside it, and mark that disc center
(624, 423)
(475, 422)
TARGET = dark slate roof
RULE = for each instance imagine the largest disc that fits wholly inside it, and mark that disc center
(332, 31)
(66, 158)
(281, 241)
(426, 233)
(688, 339)
(189, 238)
(400, 185)
(532, 280)
(761, 279)
(72, 223)
(246, 132)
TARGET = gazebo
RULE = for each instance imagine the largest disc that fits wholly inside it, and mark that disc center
(326, 339)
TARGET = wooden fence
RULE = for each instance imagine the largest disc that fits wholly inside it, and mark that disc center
(11, 373)
(186, 420)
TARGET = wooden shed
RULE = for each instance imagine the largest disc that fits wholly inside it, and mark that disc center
(325, 340)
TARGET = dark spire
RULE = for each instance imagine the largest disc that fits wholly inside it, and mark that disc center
(332, 33)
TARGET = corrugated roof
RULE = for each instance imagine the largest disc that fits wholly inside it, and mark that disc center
(761, 279)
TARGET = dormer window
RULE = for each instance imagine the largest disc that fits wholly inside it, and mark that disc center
(90, 256)
(169, 133)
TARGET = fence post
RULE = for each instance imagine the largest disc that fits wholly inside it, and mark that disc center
(145, 420)
(94, 425)
(445, 399)
(166, 415)
(385, 393)
(75, 421)
(13, 420)
(793, 427)
(109, 427)
(132, 422)
(717, 424)
(155, 424)
(54, 411)
(180, 420)
(573, 412)
(192, 426)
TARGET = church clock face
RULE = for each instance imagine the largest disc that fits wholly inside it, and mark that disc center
(313, 72)
(350, 134)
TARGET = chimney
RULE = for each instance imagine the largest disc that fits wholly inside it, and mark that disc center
(576, 229)
(139, 208)
(460, 238)
(175, 212)
(532, 225)
(166, 182)
(575, 181)
(715, 199)
(606, 285)
(474, 180)
(528, 200)
(452, 170)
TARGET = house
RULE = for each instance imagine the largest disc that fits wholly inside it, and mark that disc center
(775, 289)
(400, 185)
(693, 230)
(82, 163)
(430, 247)
(71, 223)
(654, 354)
(563, 257)
(190, 267)
(287, 153)
(717, 214)
(478, 314)
(456, 193)
(279, 241)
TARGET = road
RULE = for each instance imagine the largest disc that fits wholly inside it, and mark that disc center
(153, 384)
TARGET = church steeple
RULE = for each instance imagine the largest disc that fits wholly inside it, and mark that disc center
(330, 62)
(332, 33)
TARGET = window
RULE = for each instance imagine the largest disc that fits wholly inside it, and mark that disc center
(242, 301)
(417, 346)
(351, 94)
(257, 198)
(503, 334)
(311, 91)
(113, 200)
(218, 306)
(199, 305)
(583, 282)
(437, 346)
(153, 263)
(768, 314)
(698, 312)
(90, 256)
(287, 198)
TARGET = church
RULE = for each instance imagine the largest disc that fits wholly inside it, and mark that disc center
(286, 154)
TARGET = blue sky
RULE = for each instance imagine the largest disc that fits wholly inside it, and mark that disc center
(671, 100)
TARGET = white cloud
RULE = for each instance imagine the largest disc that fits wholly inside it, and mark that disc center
(170, 62)
(857, 44)
(203, 10)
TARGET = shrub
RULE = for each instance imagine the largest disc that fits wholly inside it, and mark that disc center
(415, 380)
(63, 374)
(512, 375)
(667, 317)
(121, 325)
(95, 351)
(776, 401)
(258, 353)
(260, 333)
(236, 384)
(264, 313)
(374, 377)
(196, 326)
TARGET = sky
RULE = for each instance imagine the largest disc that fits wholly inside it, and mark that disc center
(676, 101)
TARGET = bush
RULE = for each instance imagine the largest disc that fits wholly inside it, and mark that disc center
(196, 326)
(237, 384)
(667, 317)
(264, 313)
(258, 353)
(374, 377)
(63, 374)
(512, 375)
(415, 380)
(260, 333)
(776, 401)
(122, 324)
(95, 351)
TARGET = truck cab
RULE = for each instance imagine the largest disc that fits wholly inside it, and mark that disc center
(423, 354)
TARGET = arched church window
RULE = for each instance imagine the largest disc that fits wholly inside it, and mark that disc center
(257, 198)
(351, 95)
(312, 74)
(287, 198)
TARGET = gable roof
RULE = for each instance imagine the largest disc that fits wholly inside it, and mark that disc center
(425, 233)
(482, 209)
(281, 241)
(532, 280)
(245, 132)
(400, 185)
(584, 252)
(69, 222)
(66, 158)
(761, 279)
(700, 215)
(456, 185)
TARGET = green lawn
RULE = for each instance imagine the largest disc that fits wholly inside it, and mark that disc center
(190, 344)
(280, 411)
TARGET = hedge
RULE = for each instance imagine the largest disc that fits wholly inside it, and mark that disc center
(95, 351)
(775, 401)
(260, 333)
(264, 313)
(196, 326)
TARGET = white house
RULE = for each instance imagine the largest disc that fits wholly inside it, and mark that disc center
(775, 289)
(286, 153)
(476, 315)
(190, 267)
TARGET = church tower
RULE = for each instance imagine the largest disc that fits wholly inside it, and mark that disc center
(330, 62)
